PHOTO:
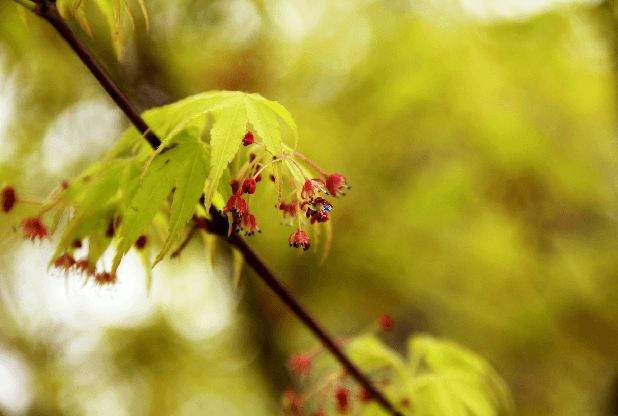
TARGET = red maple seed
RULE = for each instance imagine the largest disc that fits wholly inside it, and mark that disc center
(342, 396)
(300, 363)
(8, 198)
(386, 322)
(34, 228)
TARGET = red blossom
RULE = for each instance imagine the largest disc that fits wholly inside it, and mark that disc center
(271, 177)
(66, 261)
(292, 401)
(248, 186)
(258, 177)
(311, 187)
(288, 209)
(386, 322)
(334, 184)
(364, 395)
(34, 228)
(83, 266)
(248, 139)
(141, 242)
(249, 224)
(299, 239)
(104, 278)
(77, 244)
(300, 363)
(235, 204)
(235, 185)
(8, 198)
(342, 396)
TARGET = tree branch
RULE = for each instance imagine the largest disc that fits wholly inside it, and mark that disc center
(219, 224)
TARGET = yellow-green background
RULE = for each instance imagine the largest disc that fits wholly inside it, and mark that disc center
(481, 151)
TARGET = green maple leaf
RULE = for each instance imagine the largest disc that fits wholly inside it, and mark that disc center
(182, 165)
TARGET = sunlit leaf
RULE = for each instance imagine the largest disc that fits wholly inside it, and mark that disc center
(189, 185)
(226, 138)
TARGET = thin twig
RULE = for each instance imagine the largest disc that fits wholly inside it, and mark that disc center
(219, 224)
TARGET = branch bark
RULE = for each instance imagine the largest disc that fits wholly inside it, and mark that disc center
(218, 225)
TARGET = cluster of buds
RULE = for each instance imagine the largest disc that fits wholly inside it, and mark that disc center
(305, 201)
(332, 390)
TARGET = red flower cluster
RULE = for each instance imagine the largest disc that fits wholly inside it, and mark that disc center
(305, 198)
(34, 228)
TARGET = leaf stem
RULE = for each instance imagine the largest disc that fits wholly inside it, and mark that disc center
(219, 224)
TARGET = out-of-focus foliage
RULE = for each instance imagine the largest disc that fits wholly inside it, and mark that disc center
(481, 154)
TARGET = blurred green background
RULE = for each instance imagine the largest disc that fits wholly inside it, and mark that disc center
(479, 138)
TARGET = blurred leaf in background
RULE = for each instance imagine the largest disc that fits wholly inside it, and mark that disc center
(479, 141)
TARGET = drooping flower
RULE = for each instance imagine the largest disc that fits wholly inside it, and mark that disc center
(248, 186)
(299, 239)
(141, 242)
(249, 224)
(311, 187)
(34, 228)
(105, 278)
(235, 204)
(248, 139)
(386, 322)
(8, 198)
(334, 184)
(301, 363)
(66, 261)
(83, 266)
(342, 397)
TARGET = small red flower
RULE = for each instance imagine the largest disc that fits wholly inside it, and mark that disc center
(235, 204)
(364, 395)
(334, 184)
(299, 239)
(248, 139)
(235, 185)
(311, 187)
(249, 224)
(342, 396)
(105, 278)
(82, 266)
(292, 401)
(77, 244)
(66, 261)
(271, 177)
(386, 322)
(258, 177)
(300, 363)
(8, 198)
(141, 242)
(34, 228)
(248, 186)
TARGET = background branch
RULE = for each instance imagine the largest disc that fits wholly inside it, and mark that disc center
(218, 225)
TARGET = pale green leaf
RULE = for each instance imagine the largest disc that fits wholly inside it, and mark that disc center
(265, 123)
(282, 112)
(369, 353)
(189, 185)
(226, 138)
(147, 200)
(93, 199)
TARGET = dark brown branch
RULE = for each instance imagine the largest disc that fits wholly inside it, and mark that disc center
(219, 224)
(47, 10)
